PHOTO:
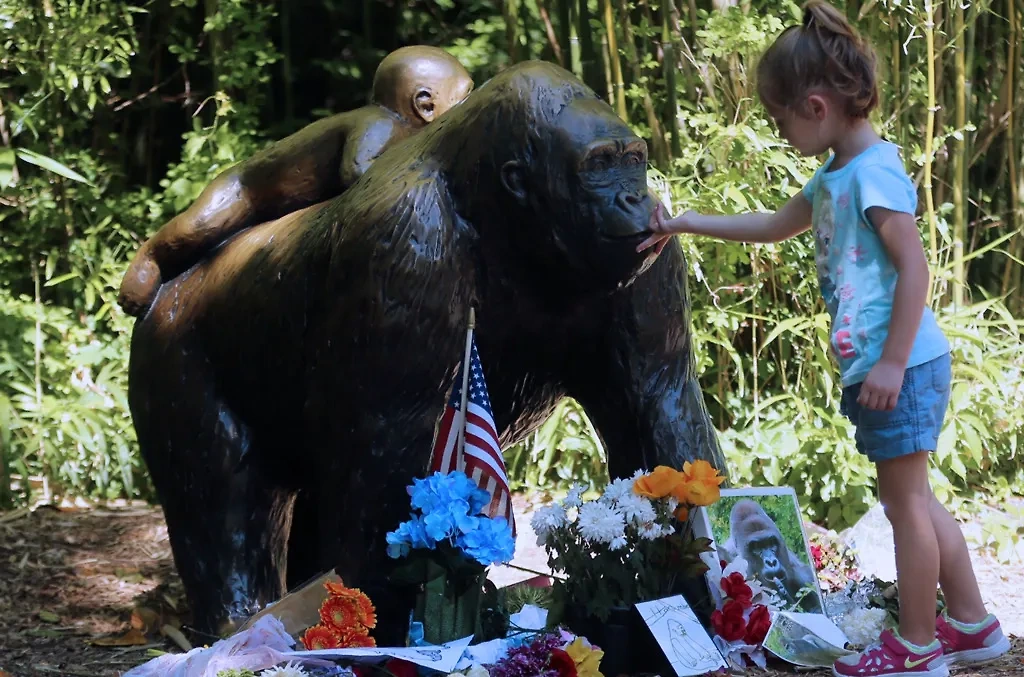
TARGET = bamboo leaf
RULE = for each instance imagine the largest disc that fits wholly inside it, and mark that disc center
(52, 165)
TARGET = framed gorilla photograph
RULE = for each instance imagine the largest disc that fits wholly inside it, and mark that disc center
(761, 531)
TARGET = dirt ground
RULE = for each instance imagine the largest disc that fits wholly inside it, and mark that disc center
(89, 593)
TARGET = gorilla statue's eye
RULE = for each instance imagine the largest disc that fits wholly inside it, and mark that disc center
(634, 158)
(599, 162)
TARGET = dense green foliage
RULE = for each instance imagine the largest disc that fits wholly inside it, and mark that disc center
(114, 114)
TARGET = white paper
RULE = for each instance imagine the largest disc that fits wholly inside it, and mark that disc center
(807, 640)
(681, 637)
(442, 658)
(822, 626)
(486, 653)
(530, 617)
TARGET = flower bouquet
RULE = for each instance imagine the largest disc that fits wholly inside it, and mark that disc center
(742, 618)
(346, 618)
(447, 546)
(633, 543)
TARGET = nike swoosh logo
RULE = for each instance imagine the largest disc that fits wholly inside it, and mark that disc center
(909, 664)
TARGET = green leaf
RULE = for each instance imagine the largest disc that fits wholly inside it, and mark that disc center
(60, 278)
(6, 167)
(52, 165)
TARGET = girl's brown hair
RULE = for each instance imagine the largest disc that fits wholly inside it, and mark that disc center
(824, 53)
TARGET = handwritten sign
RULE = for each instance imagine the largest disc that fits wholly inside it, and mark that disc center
(681, 637)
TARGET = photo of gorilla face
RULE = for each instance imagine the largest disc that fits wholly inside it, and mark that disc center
(761, 531)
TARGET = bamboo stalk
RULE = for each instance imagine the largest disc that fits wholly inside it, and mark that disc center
(564, 30)
(575, 48)
(38, 360)
(511, 8)
(959, 157)
(286, 54)
(929, 34)
(549, 29)
(658, 149)
(669, 69)
(618, 87)
(588, 54)
(1011, 148)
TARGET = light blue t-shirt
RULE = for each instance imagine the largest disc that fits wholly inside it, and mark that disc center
(856, 277)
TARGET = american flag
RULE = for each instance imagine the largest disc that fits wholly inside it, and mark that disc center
(481, 458)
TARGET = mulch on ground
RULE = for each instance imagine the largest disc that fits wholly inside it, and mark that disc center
(87, 593)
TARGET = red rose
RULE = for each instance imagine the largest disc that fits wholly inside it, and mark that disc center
(735, 586)
(728, 622)
(400, 668)
(562, 662)
(757, 625)
(816, 553)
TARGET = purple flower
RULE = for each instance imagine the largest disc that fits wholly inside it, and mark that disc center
(528, 660)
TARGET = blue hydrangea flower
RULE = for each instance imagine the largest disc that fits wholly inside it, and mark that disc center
(490, 543)
(451, 510)
(408, 535)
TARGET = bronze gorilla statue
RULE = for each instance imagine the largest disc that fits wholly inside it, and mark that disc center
(310, 356)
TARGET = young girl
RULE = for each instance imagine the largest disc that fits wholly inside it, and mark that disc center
(817, 81)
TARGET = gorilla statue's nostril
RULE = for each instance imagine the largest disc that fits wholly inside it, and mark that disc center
(629, 199)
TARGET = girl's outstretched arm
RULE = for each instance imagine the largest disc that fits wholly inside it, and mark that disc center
(793, 219)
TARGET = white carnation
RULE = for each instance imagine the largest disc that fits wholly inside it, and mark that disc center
(600, 522)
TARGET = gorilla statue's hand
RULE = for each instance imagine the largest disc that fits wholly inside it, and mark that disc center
(140, 285)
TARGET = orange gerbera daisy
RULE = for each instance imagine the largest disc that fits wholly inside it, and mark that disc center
(342, 613)
(335, 588)
(356, 637)
(354, 607)
(321, 637)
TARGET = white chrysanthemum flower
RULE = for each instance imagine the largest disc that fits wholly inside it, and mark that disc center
(673, 503)
(618, 543)
(618, 490)
(575, 497)
(862, 626)
(288, 670)
(652, 530)
(637, 509)
(546, 520)
(600, 522)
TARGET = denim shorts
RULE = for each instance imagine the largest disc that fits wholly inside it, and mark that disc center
(914, 425)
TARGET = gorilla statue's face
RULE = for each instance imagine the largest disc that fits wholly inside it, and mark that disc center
(591, 189)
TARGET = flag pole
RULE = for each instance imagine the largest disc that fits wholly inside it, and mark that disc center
(465, 389)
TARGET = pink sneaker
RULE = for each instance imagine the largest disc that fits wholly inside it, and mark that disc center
(971, 648)
(892, 658)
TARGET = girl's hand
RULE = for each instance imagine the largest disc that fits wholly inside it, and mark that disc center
(662, 230)
(881, 388)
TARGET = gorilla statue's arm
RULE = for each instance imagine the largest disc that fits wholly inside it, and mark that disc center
(651, 410)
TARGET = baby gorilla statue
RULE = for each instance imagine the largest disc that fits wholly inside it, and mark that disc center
(411, 88)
